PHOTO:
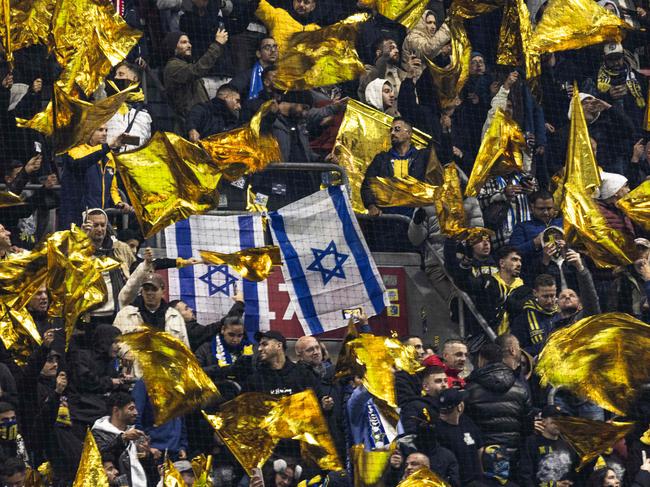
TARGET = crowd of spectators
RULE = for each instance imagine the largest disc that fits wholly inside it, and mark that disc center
(476, 415)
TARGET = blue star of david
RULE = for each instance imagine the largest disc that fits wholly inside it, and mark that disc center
(229, 280)
(317, 265)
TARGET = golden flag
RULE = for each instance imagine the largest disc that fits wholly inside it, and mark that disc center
(646, 115)
(243, 150)
(346, 363)
(406, 12)
(168, 180)
(90, 472)
(408, 191)
(469, 9)
(636, 205)
(574, 24)
(176, 383)
(449, 204)
(202, 468)
(423, 478)
(7, 199)
(254, 264)
(585, 228)
(18, 333)
(280, 24)
(34, 18)
(322, 57)
(6, 35)
(252, 424)
(171, 476)
(591, 438)
(369, 466)
(500, 152)
(364, 133)
(514, 39)
(597, 358)
(380, 355)
(449, 81)
(239, 425)
(580, 168)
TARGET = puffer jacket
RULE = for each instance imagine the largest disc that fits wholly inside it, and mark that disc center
(498, 404)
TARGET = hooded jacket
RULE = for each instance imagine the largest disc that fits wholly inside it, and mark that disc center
(498, 404)
(290, 379)
(420, 43)
(374, 95)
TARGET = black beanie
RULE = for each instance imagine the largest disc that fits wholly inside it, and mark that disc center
(302, 97)
(169, 44)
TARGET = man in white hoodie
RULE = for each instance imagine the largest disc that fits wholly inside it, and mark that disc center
(119, 441)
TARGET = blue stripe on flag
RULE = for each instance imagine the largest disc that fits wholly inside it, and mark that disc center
(185, 274)
(373, 287)
(249, 288)
(298, 279)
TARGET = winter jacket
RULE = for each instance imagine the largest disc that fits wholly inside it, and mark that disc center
(407, 386)
(420, 43)
(211, 117)
(182, 80)
(498, 404)
(533, 326)
(129, 320)
(418, 410)
(290, 379)
(138, 117)
(293, 138)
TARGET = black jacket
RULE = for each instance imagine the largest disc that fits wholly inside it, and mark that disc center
(290, 379)
(199, 334)
(407, 387)
(417, 411)
(498, 404)
(211, 117)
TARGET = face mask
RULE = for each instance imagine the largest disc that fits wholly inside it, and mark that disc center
(8, 429)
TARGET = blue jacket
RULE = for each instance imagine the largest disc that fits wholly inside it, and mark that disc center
(171, 435)
(522, 238)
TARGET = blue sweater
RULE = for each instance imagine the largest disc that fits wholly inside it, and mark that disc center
(171, 435)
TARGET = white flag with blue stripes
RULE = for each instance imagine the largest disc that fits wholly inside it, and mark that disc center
(326, 263)
(208, 289)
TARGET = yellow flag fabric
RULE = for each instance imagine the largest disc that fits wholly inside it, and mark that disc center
(449, 81)
(515, 37)
(243, 150)
(636, 205)
(34, 17)
(574, 357)
(6, 31)
(174, 379)
(322, 57)
(406, 12)
(168, 180)
(585, 228)
(574, 24)
(365, 132)
(580, 168)
(423, 478)
(254, 264)
(90, 472)
(202, 467)
(500, 153)
(369, 466)
(403, 191)
(252, 424)
(281, 24)
(591, 438)
(7, 198)
(469, 9)
(171, 476)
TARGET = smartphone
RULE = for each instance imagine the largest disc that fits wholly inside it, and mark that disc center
(38, 148)
(352, 313)
(130, 139)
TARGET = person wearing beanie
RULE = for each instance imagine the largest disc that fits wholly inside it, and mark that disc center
(289, 127)
(182, 77)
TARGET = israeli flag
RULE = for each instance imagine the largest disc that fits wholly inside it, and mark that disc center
(209, 289)
(326, 263)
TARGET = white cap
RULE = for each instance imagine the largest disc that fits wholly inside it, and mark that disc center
(612, 182)
(613, 48)
(582, 97)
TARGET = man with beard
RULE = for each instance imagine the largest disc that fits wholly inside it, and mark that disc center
(181, 77)
(220, 114)
(387, 61)
(37, 307)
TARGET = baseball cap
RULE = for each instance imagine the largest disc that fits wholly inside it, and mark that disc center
(552, 410)
(182, 465)
(275, 335)
(450, 398)
(613, 48)
(154, 280)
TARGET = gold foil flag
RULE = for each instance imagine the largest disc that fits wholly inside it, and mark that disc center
(7, 198)
(469, 9)
(597, 358)
(254, 264)
(449, 204)
(580, 168)
(364, 133)
(174, 379)
(591, 438)
(202, 467)
(500, 152)
(636, 205)
(406, 12)
(423, 478)
(281, 24)
(171, 476)
(6, 33)
(243, 150)
(168, 180)
(18, 333)
(90, 472)
(515, 37)
(408, 191)
(252, 424)
(449, 80)
(379, 356)
(574, 24)
(34, 18)
(323, 57)
(585, 228)
(369, 466)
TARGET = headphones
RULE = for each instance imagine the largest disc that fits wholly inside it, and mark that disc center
(280, 465)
